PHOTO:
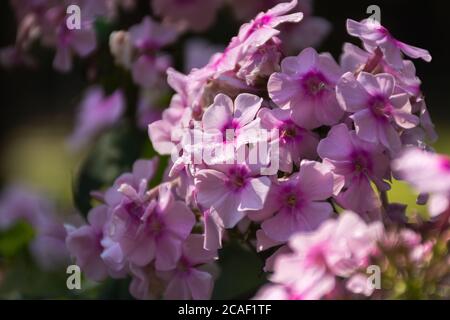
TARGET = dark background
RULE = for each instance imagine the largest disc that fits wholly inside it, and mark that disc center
(44, 97)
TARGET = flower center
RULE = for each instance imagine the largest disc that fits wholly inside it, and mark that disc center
(445, 163)
(183, 265)
(291, 200)
(361, 162)
(380, 107)
(314, 83)
(155, 225)
(237, 177)
(134, 210)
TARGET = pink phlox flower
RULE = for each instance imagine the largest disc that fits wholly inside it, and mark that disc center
(427, 173)
(374, 35)
(377, 110)
(295, 143)
(306, 86)
(97, 112)
(356, 164)
(191, 279)
(299, 202)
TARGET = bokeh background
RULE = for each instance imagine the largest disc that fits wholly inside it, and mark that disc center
(38, 106)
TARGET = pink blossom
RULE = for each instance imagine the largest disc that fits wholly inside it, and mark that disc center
(260, 63)
(85, 244)
(231, 190)
(262, 28)
(337, 248)
(225, 116)
(306, 86)
(82, 42)
(427, 173)
(354, 59)
(145, 283)
(187, 14)
(309, 285)
(360, 284)
(295, 143)
(299, 202)
(150, 36)
(97, 112)
(356, 164)
(374, 35)
(198, 53)
(147, 70)
(151, 229)
(377, 110)
(165, 133)
(190, 279)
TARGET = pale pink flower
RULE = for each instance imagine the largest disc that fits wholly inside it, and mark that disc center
(231, 191)
(84, 244)
(225, 116)
(198, 53)
(196, 15)
(356, 164)
(165, 133)
(82, 42)
(97, 112)
(337, 248)
(150, 36)
(374, 35)
(260, 63)
(190, 279)
(355, 59)
(309, 285)
(377, 110)
(306, 86)
(427, 173)
(151, 229)
(299, 202)
(262, 28)
(148, 70)
(295, 143)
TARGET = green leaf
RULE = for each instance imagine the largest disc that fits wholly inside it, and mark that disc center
(15, 239)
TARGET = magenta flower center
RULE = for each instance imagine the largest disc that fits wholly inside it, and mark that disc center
(314, 83)
(155, 225)
(291, 198)
(183, 265)
(134, 210)
(289, 132)
(380, 107)
(445, 163)
(315, 256)
(361, 162)
(237, 178)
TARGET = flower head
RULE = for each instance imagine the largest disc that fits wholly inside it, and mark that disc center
(378, 111)
(374, 35)
(306, 86)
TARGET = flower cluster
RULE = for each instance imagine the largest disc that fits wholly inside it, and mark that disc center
(145, 233)
(270, 142)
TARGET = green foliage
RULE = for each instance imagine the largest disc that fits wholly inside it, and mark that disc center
(15, 239)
